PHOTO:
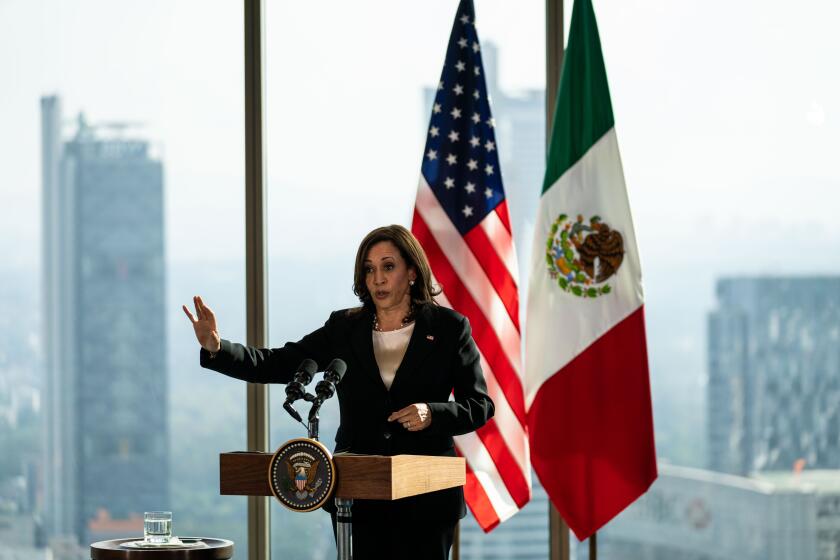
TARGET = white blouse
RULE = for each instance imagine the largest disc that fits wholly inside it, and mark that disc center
(389, 348)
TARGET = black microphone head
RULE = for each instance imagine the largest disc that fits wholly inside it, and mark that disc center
(306, 370)
(335, 371)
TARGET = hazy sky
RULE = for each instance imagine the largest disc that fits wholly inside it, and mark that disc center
(727, 112)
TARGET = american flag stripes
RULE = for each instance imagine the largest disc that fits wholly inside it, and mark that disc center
(461, 219)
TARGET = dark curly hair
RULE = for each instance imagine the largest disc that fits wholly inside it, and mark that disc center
(422, 292)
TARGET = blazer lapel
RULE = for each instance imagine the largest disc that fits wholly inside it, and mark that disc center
(421, 343)
(361, 336)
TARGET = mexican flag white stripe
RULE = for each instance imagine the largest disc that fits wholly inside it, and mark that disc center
(569, 324)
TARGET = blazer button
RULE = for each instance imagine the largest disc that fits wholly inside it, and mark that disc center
(387, 435)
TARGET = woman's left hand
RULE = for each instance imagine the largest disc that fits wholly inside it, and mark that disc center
(414, 417)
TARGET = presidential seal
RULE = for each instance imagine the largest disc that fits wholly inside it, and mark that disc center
(581, 256)
(302, 474)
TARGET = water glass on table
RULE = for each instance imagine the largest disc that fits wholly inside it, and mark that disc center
(157, 527)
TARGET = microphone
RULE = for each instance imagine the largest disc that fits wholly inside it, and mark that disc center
(325, 388)
(295, 390)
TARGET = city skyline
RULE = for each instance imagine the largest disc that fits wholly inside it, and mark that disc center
(729, 166)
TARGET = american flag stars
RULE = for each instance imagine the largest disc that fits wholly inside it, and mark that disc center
(461, 164)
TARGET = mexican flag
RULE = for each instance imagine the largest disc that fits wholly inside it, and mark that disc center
(586, 378)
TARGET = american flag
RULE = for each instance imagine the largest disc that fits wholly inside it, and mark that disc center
(461, 220)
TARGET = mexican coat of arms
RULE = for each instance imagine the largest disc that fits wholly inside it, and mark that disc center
(582, 255)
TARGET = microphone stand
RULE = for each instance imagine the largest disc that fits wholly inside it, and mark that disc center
(313, 427)
(313, 420)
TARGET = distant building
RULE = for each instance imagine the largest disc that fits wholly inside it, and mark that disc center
(694, 514)
(774, 374)
(522, 537)
(18, 537)
(105, 403)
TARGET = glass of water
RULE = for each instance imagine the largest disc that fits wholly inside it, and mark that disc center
(157, 527)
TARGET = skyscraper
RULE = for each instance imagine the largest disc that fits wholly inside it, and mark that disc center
(774, 374)
(106, 451)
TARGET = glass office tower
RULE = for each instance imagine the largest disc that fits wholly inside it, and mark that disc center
(106, 451)
(774, 374)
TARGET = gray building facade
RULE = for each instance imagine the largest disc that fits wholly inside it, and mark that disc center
(774, 374)
(105, 405)
(694, 514)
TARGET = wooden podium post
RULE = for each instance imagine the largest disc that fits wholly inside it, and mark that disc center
(358, 477)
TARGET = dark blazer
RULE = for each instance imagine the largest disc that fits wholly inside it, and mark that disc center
(441, 360)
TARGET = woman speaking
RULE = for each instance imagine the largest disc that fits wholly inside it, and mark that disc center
(405, 357)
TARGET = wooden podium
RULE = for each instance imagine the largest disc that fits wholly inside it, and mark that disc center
(358, 477)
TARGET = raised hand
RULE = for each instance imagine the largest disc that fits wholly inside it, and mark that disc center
(204, 325)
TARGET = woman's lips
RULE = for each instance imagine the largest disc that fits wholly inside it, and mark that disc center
(381, 294)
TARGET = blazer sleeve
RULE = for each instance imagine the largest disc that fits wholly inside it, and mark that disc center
(268, 365)
(472, 407)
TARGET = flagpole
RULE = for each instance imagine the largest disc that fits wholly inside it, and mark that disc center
(558, 537)
(554, 49)
(456, 542)
(256, 270)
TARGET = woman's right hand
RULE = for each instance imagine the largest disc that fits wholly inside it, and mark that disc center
(204, 326)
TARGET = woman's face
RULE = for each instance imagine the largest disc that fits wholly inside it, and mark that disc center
(387, 276)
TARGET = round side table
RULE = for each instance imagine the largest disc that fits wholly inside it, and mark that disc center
(217, 549)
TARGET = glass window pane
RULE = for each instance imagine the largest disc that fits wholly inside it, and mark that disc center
(726, 120)
(122, 155)
(346, 126)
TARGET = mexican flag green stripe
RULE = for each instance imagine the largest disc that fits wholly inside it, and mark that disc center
(583, 110)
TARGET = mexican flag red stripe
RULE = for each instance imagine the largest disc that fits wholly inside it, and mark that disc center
(587, 391)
